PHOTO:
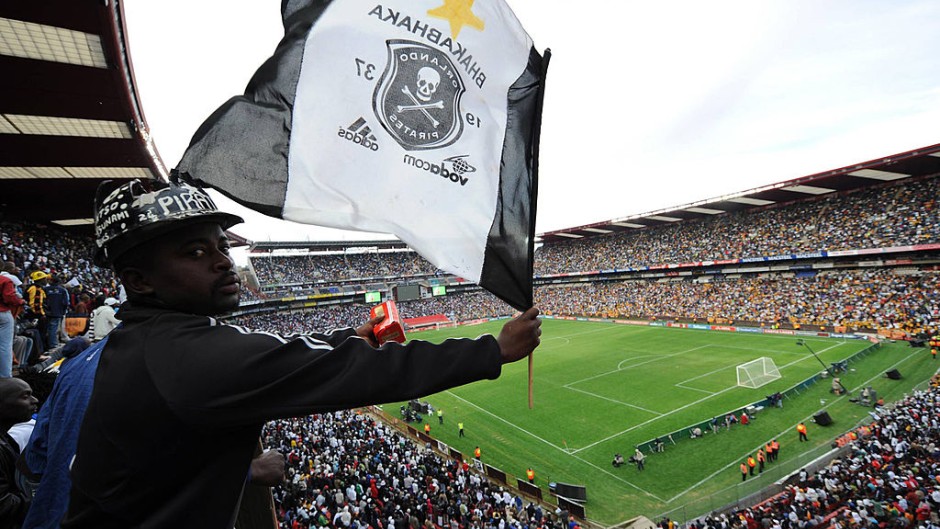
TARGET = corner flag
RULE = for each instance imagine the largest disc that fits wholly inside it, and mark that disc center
(418, 118)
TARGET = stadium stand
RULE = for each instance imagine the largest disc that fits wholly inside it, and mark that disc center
(879, 217)
(887, 477)
(343, 453)
(348, 470)
(863, 257)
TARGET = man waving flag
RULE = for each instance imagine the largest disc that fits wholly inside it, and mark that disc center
(413, 117)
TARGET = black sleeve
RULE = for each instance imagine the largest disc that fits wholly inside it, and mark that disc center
(227, 376)
(13, 501)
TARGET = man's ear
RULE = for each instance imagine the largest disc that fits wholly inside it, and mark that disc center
(136, 282)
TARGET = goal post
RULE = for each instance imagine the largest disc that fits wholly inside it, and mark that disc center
(757, 373)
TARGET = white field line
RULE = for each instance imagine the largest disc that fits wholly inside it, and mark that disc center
(693, 403)
(733, 463)
(804, 357)
(644, 423)
(570, 453)
(679, 385)
(595, 395)
(652, 359)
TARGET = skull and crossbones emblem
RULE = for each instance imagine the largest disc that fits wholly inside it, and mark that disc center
(427, 81)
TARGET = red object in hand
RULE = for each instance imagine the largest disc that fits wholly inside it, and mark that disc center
(389, 329)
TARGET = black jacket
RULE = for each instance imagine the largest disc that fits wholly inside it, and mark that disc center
(13, 501)
(179, 401)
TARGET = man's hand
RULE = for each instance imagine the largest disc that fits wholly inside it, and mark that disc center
(268, 468)
(520, 336)
(364, 331)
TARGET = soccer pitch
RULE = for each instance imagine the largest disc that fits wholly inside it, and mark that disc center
(601, 388)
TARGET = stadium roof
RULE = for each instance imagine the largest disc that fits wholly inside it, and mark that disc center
(912, 164)
(70, 115)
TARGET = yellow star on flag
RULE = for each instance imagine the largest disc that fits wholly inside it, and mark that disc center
(458, 13)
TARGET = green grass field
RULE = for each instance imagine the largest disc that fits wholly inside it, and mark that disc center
(602, 388)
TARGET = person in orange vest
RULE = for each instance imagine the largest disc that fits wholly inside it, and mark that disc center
(801, 429)
(760, 460)
(743, 471)
(530, 475)
(751, 464)
(769, 450)
(776, 446)
(427, 429)
(476, 452)
(933, 352)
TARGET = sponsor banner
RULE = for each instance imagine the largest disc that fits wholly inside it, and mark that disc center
(846, 336)
(632, 322)
(752, 260)
(750, 329)
(700, 326)
(809, 255)
(780, 331)
(726, 328)
(657, 324)
(891, 262)
(677, 325)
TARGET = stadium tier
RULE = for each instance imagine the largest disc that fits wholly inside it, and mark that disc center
(843, 266)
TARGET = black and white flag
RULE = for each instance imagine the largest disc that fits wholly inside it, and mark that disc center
(418, 118)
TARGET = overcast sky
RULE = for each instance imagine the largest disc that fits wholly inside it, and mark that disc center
(648, 105)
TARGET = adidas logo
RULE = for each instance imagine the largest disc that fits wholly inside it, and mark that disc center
(359, 133)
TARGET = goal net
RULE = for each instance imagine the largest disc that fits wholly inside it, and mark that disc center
(757, 373)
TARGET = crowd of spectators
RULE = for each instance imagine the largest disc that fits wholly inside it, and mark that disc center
(859, 299)
(888, 478)
(456, 308)
(866, 300)
(897, 215)
(338, 267)
(52, 272)
(347, 470)
(878, 217)
(57, 252)
(321, 319)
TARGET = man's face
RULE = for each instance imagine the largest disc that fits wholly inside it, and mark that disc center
(191, 270)
(17, 403)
